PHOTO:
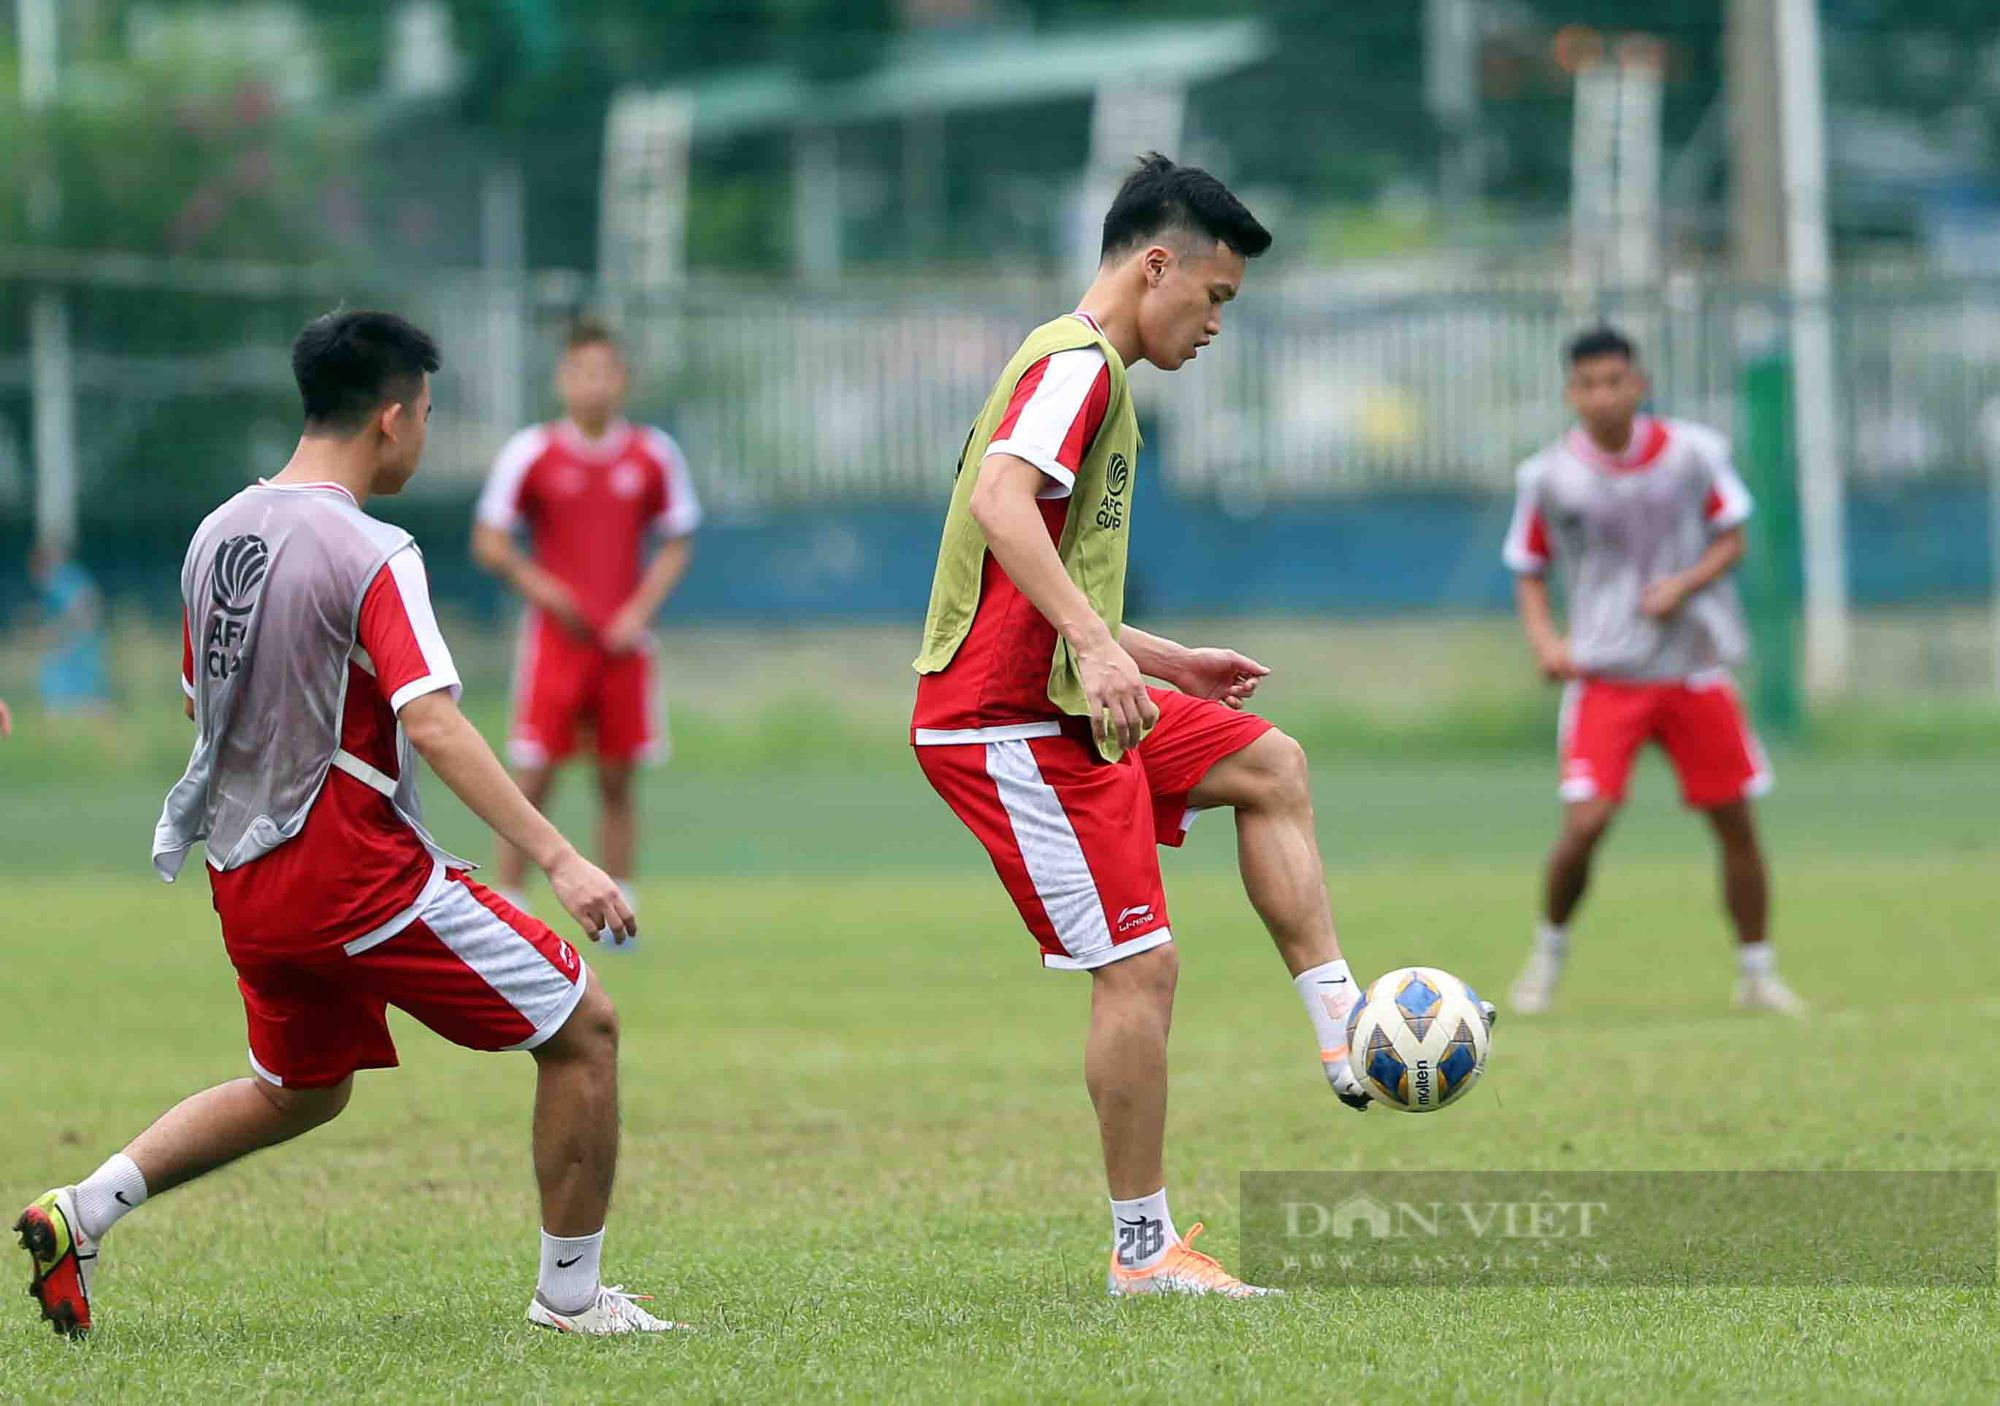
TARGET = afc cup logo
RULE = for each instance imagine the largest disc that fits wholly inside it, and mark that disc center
(237, 577)
(1111, 511)
(240, 564)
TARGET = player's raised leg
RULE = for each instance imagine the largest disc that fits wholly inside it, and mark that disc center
(1269, 786)
(61, 1228)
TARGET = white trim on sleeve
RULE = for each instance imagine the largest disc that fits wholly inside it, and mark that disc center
(500, 501)
(682, 513)
(1737, 505)
(406, 568)
(1064, 481)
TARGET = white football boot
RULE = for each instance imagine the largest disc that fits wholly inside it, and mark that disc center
(613, 1311)
(1766, 991)
(1534, 989)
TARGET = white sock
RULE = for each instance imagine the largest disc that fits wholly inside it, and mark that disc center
(1329, 993)
(568, 1282)
(1756, 958)
(107, 1194)
(1552, 939)
(617, 939)
(1142, 1231)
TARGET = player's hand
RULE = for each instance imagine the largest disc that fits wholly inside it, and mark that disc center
(589, 895)
(556, 599)
(1220, 674)
(6, 720)
(1555, 660)
(1116, 691)
(626, 631)
(1663, 597)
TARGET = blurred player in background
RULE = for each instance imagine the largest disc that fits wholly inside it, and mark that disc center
(593, 491)
(1035, 724)
(73, 678)
(1645, 516)
(312, 667)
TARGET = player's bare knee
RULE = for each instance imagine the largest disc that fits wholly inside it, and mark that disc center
(1152, 974)
(1284, 779)
(304, 1109)
(1584, 824)
(590, 1033)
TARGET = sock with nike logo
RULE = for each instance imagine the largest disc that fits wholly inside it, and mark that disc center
(1329, 993)
(107, 1194)
(568, 1282)
(1141, 1230)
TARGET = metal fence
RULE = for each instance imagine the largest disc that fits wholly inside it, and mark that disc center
(790, 395)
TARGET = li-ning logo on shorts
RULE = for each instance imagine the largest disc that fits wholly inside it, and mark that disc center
(241, 563)
(1132, 917)
(1140, 1239)
(1111, 511)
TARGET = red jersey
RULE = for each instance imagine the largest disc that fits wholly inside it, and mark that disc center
(590, 505)
(1000, 674)
(356, 866)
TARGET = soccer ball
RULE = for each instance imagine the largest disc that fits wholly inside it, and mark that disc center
(1417, 1039)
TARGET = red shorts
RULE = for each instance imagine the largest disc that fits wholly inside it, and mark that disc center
(1073, 837)
(562, 682)
(468, 964)
(1699, 721)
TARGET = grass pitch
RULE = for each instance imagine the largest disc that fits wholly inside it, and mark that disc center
(859, 1156)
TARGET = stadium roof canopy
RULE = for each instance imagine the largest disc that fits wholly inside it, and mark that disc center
(929, 77)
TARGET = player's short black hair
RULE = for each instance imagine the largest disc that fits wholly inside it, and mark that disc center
(1601, 340)
(349, 364)
(1161, 197)
(587, 331)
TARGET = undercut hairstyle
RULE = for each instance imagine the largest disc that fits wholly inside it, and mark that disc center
(1602, 340)
(350, 364)
(1162, 199)
(591, 332)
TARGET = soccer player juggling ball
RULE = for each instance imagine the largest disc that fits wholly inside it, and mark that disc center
(314, 672)
(1036, 725)
(1645, 518)
(592, 489)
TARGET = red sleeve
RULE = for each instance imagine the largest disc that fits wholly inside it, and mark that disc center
(187, 656)
(400, 633)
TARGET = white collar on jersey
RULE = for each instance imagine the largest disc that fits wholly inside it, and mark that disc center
(339, 488)
(1647, 440)
(612, 442)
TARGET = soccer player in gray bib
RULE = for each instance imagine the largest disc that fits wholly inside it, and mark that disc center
(315, 675)
(1644, 516)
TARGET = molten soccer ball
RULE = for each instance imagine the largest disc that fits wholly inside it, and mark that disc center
(1417, 1039)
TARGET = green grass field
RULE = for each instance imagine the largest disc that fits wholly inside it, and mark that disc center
(859, 1156)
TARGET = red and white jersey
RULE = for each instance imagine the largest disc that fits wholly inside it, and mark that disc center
(1000, 674)
(357, 865)
(591, 504)
(1616, 523)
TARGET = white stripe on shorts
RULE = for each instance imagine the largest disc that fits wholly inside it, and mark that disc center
(505, 960)
(1049, 848)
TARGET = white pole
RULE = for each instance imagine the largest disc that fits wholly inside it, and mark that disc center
(1815, 411)
(1637, 184)
(1592, 154)
(50, 362)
